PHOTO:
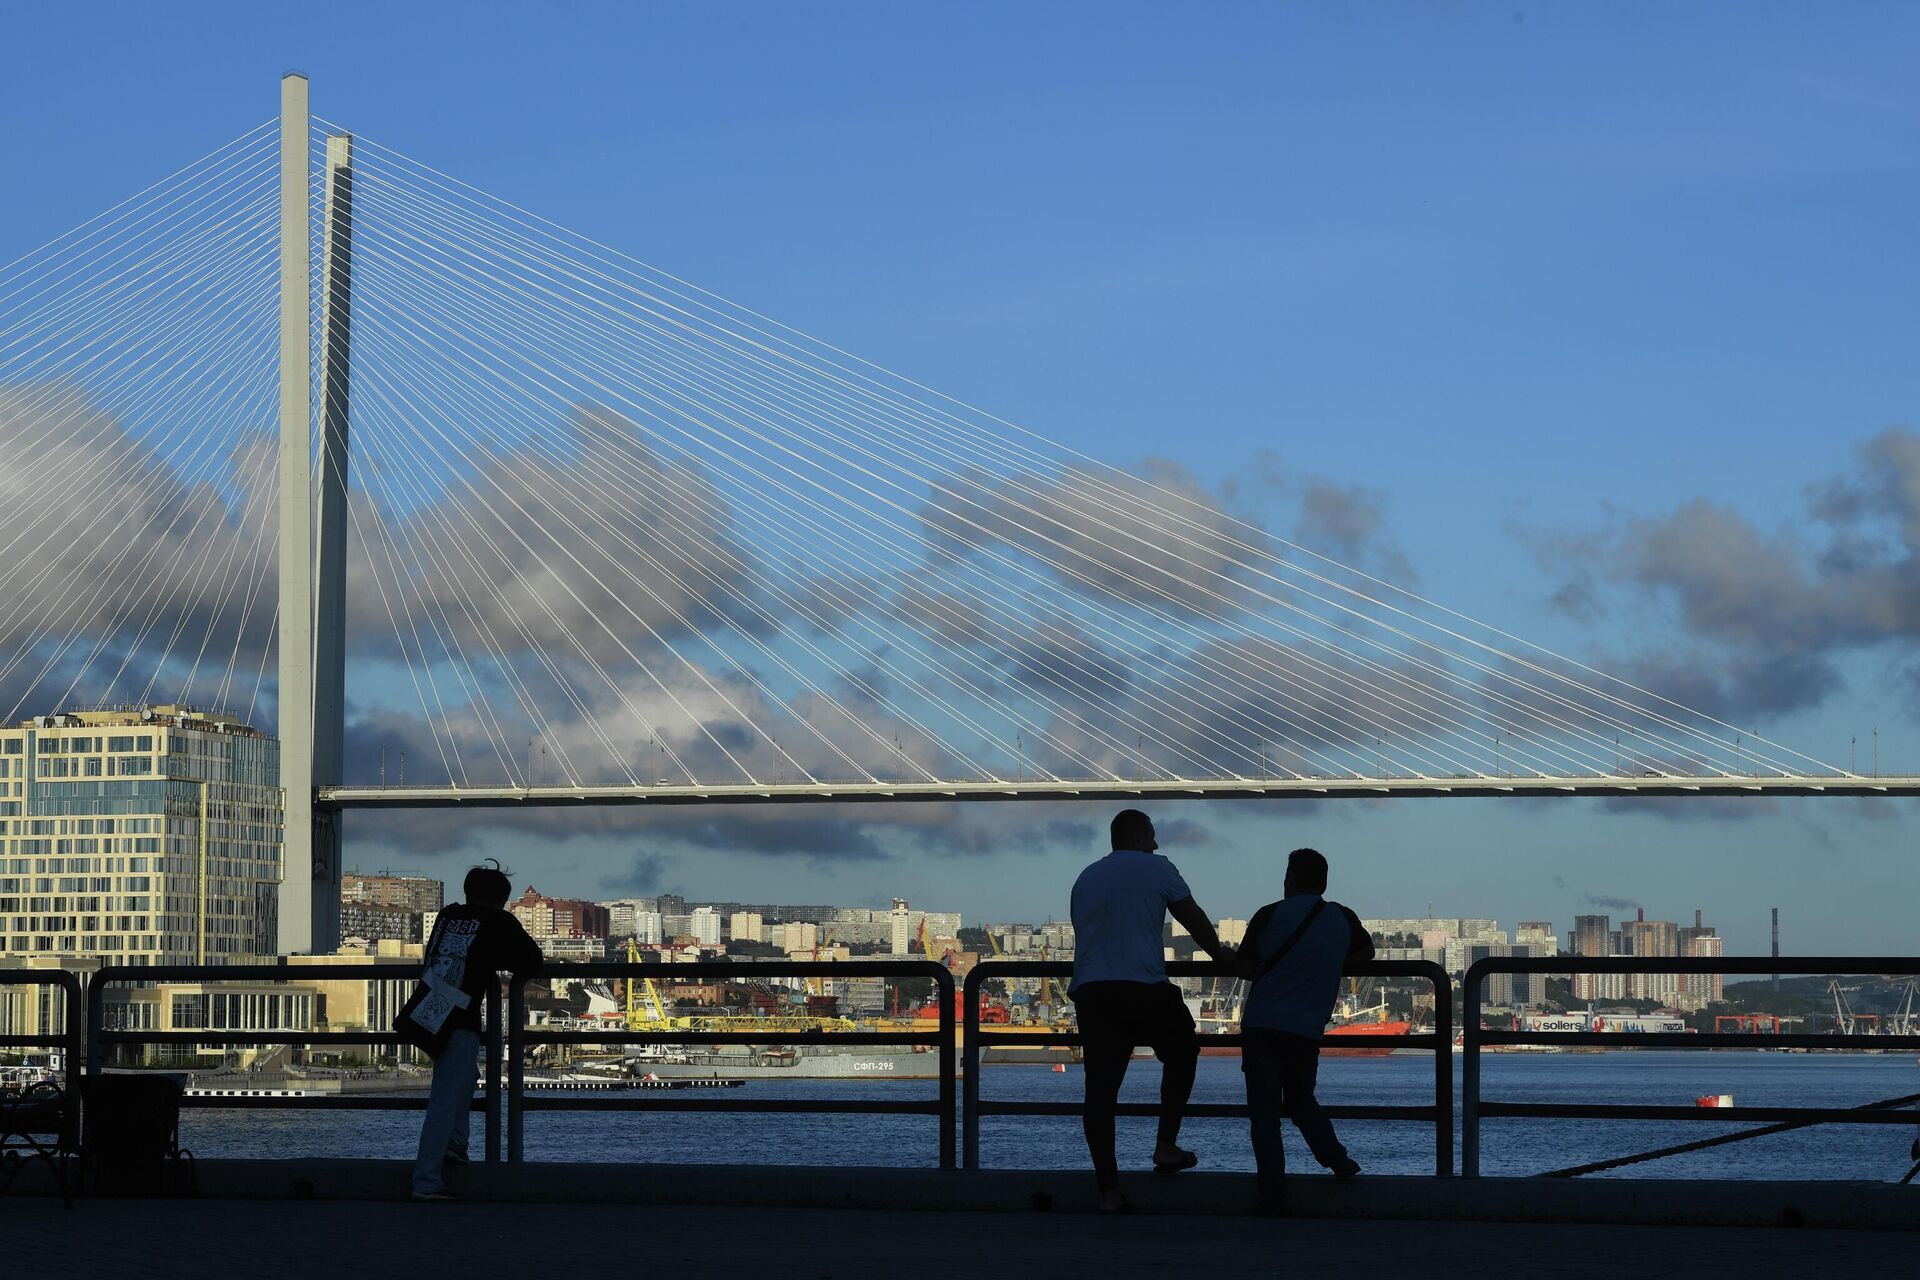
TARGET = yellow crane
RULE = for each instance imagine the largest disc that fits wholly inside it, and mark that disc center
(653, 1014)
(646, 1011)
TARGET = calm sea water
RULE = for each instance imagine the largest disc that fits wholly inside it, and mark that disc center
(1508, 1147)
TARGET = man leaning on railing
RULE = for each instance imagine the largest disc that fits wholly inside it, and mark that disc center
(1293, 954)
(1121, 995)
(471, 944)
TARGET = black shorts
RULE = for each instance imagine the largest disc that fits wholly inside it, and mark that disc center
(1117, 1016)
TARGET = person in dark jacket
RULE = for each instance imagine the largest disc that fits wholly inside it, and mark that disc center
(471, 944)
(1293, 953)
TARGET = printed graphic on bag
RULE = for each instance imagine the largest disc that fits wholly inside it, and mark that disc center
(446, 969)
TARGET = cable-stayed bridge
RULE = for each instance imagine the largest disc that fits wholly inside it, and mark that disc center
(567, 529)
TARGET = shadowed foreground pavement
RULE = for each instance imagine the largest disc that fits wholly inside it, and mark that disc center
(198, 1238)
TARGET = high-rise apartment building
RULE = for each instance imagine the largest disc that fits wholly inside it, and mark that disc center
(404, 893)
(1594, 936)
(1537, 935)
(545, 917)
(369, 923)
(902, 926)
(148, 836)
(747, 926)
(704, 924)
(1653, 939)
(1701, 941)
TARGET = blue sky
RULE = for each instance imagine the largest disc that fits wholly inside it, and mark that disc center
(1528, 274)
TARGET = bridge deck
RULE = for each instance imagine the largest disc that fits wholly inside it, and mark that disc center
(400, 797)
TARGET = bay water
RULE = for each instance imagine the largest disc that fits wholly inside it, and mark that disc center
(1509, 1147)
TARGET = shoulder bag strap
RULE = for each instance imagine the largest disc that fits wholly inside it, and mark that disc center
(1292, 938)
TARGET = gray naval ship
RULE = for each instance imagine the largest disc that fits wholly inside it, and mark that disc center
(781, 1062)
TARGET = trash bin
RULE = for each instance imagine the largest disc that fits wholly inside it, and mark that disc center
(131, 1125)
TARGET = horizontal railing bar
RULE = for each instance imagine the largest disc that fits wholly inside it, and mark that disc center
(675, 971)
(700, 1101)
(1424, 1040)
(532, 1036)
(1203, 1110)
(1023, 968)
(1700, 1040)
(1563, 963)
(399, 1100)
(247, 1037)
(1707, 1115)
(119, 974)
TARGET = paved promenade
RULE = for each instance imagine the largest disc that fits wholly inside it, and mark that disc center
(156, 1239)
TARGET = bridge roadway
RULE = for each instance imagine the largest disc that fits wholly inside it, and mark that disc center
(618, 1220)
(1311, 788)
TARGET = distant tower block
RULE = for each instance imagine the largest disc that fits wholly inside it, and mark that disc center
(1776, 948)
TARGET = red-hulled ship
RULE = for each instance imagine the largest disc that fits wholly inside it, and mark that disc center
(1224, 1016)
(1330, 1046)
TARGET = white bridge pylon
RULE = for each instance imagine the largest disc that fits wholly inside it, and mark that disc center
(548, 525)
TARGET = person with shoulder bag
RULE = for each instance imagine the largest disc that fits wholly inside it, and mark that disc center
(1293, 954)
(471, 943)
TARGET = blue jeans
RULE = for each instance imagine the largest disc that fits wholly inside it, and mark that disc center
(448, 1106)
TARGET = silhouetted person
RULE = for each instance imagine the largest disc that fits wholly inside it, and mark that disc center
(471, 943)
(1293, 954)
(1121, 993)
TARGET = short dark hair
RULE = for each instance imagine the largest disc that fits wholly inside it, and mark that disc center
(487, 885)
(1306, 871)
(1128, 826)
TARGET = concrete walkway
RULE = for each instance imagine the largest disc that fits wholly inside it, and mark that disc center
(156, 1239)
(1863, 1206)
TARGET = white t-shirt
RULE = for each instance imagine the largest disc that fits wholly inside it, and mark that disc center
(1119, 911)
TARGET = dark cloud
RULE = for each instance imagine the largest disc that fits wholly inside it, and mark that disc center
(1349, 524)
(645, 874)
(1154, 534)
(1766, 615)
(130, 574)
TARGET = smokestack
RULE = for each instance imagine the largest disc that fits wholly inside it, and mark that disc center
(1640, 914)
(1696, 917)
(1776, 947)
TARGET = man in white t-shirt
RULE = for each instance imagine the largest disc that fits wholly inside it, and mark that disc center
(1121, 995)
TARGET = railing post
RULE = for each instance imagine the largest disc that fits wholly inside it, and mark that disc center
(943, 982)
(493, 1070)
(76, 1030)
(971, 1065)
(96, 1021)
(1442, 1074)
(1470, 1070)
(516, 1070)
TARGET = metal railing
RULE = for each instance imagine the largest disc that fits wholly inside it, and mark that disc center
(938, 1039)
(1474, 1109)
(1440, 1040)
(100, 1038)
(72, 1040)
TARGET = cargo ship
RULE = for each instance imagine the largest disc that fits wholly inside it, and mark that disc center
(1225, 1018)
(1330, 1046)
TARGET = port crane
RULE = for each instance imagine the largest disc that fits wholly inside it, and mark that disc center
(646, 1011)
(1846, 1021)
(1906, 1021)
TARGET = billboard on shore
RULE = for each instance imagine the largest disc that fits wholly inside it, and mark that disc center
(1623, 1023)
